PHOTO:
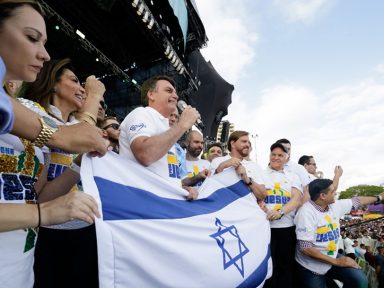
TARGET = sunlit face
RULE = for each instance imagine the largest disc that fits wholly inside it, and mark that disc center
(241, 146)
(214, 152)
(311, 166)
(163, 98)
(195, 145)
(277, 159)
(69, 90)
(22, 40)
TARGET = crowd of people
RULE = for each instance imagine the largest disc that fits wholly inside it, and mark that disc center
(47, 222)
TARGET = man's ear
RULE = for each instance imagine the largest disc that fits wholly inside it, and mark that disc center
(150, 96)
(105, 133)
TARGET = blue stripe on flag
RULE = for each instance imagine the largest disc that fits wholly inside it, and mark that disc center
(258, 276)
(122, 202)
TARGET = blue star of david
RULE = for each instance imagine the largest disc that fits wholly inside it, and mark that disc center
(228, 259)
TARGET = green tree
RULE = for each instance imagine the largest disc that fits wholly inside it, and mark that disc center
(361, 190)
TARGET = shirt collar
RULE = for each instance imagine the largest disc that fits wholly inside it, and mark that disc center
(319, 208)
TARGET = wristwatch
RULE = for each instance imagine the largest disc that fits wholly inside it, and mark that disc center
(281, 212)
(48, 127)
(250, 181)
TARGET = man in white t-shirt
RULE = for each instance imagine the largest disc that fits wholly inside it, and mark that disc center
(283, 198)
(248, 171)
(198, 169)
(297, 169)
(145, 135)
(309, 164)
(318, 230)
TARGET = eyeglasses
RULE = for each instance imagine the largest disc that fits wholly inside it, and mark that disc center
(103, 105)
(114, 126)
(314, 164)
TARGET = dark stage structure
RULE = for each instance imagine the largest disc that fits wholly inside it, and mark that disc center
(124, 42)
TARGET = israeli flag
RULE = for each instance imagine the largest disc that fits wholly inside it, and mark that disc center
(150, 236)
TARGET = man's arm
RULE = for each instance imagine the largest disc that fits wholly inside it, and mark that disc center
(192, 181)
(78, 138)
(257, 189)
(336, 178)
(292, 205)
(340, 262)
(232, 162)
(366, 200)
(148, 150)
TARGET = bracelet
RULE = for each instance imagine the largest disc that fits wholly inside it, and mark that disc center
(74, 167)
(39, 213)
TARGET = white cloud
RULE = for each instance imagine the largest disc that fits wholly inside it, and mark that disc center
(380, 68)
(301, 10)
(342, 127)
(232, 45)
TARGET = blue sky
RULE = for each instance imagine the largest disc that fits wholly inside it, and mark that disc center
(311, 71)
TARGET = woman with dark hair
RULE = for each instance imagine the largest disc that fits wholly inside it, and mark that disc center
(22, 54)
(59, 94)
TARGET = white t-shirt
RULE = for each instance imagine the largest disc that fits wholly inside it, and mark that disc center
(194, 167)
(300, 171)
(253, 169)
(311, 177)
(149, 122)
(348, 246)
(18, 172)
(59, 160)
(279, 186)
(322, 229)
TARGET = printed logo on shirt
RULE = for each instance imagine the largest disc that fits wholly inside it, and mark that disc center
(137, 127)
(328, 233)
(195, 171)
(60, 160)
(7, 150)
(173, 165)
(277, 197)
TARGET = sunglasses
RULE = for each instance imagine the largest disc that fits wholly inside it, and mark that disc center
(113, 126)
(103, 105)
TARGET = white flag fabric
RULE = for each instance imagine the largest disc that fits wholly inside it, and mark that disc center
(150, 236)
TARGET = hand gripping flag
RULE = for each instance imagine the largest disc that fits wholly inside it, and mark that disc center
(150, 236)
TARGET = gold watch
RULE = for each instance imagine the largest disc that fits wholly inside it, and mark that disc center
(48, 127)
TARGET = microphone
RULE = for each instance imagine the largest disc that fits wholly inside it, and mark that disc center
(181, 104)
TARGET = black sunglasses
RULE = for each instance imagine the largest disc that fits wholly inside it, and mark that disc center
(113, 126)
(103, 105)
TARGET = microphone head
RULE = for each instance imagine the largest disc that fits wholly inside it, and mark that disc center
(181, 105)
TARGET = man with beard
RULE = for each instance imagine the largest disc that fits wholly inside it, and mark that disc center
(111, 131)
(248, 171)
(198, 169)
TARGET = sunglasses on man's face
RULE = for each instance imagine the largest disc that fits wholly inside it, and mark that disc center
(113, 126)
(103, 105)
